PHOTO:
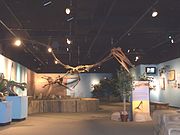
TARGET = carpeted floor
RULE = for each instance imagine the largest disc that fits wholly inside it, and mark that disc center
(75, 124)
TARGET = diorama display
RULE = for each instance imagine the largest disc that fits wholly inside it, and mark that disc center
(7, 86)
(58, 82)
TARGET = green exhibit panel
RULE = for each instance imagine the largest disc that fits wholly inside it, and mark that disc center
(19, 106)
(5, 112)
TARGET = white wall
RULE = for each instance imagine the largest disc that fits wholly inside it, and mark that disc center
(172, 93)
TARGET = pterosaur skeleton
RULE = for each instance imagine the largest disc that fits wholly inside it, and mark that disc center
(116, 53)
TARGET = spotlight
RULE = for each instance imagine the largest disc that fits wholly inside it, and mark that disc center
(17, 42)
(68, 11)
(68, 41)
(56, 62)
(170, 36)
(67, 49)
(128, 51)
(137, 58)
(154, 13)
(172, 41)
(49, 49)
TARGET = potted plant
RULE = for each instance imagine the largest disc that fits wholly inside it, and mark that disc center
(123, 84)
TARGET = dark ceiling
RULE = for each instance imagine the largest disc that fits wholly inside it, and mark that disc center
(95, 27)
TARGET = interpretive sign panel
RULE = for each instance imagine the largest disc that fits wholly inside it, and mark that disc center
(140, 101)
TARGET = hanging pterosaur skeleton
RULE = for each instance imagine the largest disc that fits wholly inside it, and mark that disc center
(116, 53)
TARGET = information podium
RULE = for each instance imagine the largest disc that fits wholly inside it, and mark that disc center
(140, 101)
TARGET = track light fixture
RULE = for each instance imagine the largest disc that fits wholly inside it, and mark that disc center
(56, 62)
(68, 11)
(68, 41)
(67, 49)
(18, 42)
(171, 39)
(137, 58)
(49, 49)
(154, 13)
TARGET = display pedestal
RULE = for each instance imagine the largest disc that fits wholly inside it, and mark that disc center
(5, 112)
(19, 107)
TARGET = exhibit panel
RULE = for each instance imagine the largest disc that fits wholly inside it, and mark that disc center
(5, 112)
(19, 107)
(140, 101)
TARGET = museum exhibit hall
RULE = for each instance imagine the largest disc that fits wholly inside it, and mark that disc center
(90, 67)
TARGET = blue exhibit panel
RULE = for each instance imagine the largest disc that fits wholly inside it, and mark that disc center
(5, 112)
(19, 106)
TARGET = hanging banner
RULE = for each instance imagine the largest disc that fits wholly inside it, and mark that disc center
(140, 101)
